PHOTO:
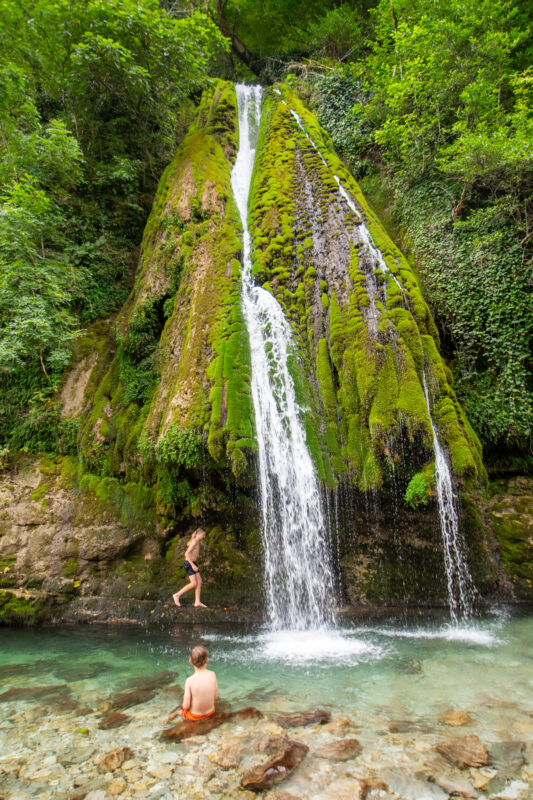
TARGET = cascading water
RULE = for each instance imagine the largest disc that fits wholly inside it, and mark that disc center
(298, 574)
(460, 586)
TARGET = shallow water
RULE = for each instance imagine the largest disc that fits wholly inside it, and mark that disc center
(373, 674)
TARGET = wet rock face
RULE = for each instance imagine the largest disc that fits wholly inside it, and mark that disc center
(276, 769)
(71, 552)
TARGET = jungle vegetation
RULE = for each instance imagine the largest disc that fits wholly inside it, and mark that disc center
(427, 101)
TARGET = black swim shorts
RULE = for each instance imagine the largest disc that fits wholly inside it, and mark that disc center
(190, 568)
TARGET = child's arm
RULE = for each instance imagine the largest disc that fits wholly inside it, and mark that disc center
(216, 688)
(187, 696)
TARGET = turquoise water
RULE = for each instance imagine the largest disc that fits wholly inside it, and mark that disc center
(417, 667)
(374, 673)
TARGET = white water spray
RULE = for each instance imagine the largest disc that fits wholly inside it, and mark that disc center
(460, 586)
(298, 574)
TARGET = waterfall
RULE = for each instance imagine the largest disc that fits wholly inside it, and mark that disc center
(298, 573)
(460, 586)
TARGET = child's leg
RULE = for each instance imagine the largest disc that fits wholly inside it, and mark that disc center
(197, 591)
(191, 585)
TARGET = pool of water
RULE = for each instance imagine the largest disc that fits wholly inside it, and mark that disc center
(385, 679)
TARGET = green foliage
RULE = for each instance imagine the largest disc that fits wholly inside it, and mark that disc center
(136, 350)
(417, 491)
(442, 107)
(180, 447)
(94, 98)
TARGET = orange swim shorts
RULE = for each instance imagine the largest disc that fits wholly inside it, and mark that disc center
(186, 714)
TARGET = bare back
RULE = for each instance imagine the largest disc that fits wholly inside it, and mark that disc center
(193, 549)
(201, 691)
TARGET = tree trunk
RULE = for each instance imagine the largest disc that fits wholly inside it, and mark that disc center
(239, 48)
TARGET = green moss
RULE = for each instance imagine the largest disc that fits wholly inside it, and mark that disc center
(70, 568)
(18, 609)
(39, 493)
(419, 487)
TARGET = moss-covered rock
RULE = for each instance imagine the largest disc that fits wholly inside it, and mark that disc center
(509, 515)
(19, 608)
(366, 338)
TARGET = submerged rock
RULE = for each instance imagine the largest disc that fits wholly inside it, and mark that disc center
(116, 786)
(131, 698)
(466, 751)
(412, 787)
(276, 769)
(517, 790)
(113, 720)
(115, 758)
(80, 672)
(186, 729)
(456, 718)
(507, 757)
(341, 750)
(402, 726)
(457, 787)
(301, 718)
(33, 692)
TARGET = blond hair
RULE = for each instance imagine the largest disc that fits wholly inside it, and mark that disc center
(199, 656)
(193, 535)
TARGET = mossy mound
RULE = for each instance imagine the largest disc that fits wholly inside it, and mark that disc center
(171, 400)
(366, 339)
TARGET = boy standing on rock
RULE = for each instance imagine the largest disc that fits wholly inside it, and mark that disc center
(201, 689)
(191, 568)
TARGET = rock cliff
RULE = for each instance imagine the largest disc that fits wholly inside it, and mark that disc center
(162, 395)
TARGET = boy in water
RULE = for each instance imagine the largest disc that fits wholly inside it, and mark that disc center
(201, 689)
(191, 568)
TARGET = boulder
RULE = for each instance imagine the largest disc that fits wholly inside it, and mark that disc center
(276, 769)
(301, 718)
(465, 751)
(341, 750)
